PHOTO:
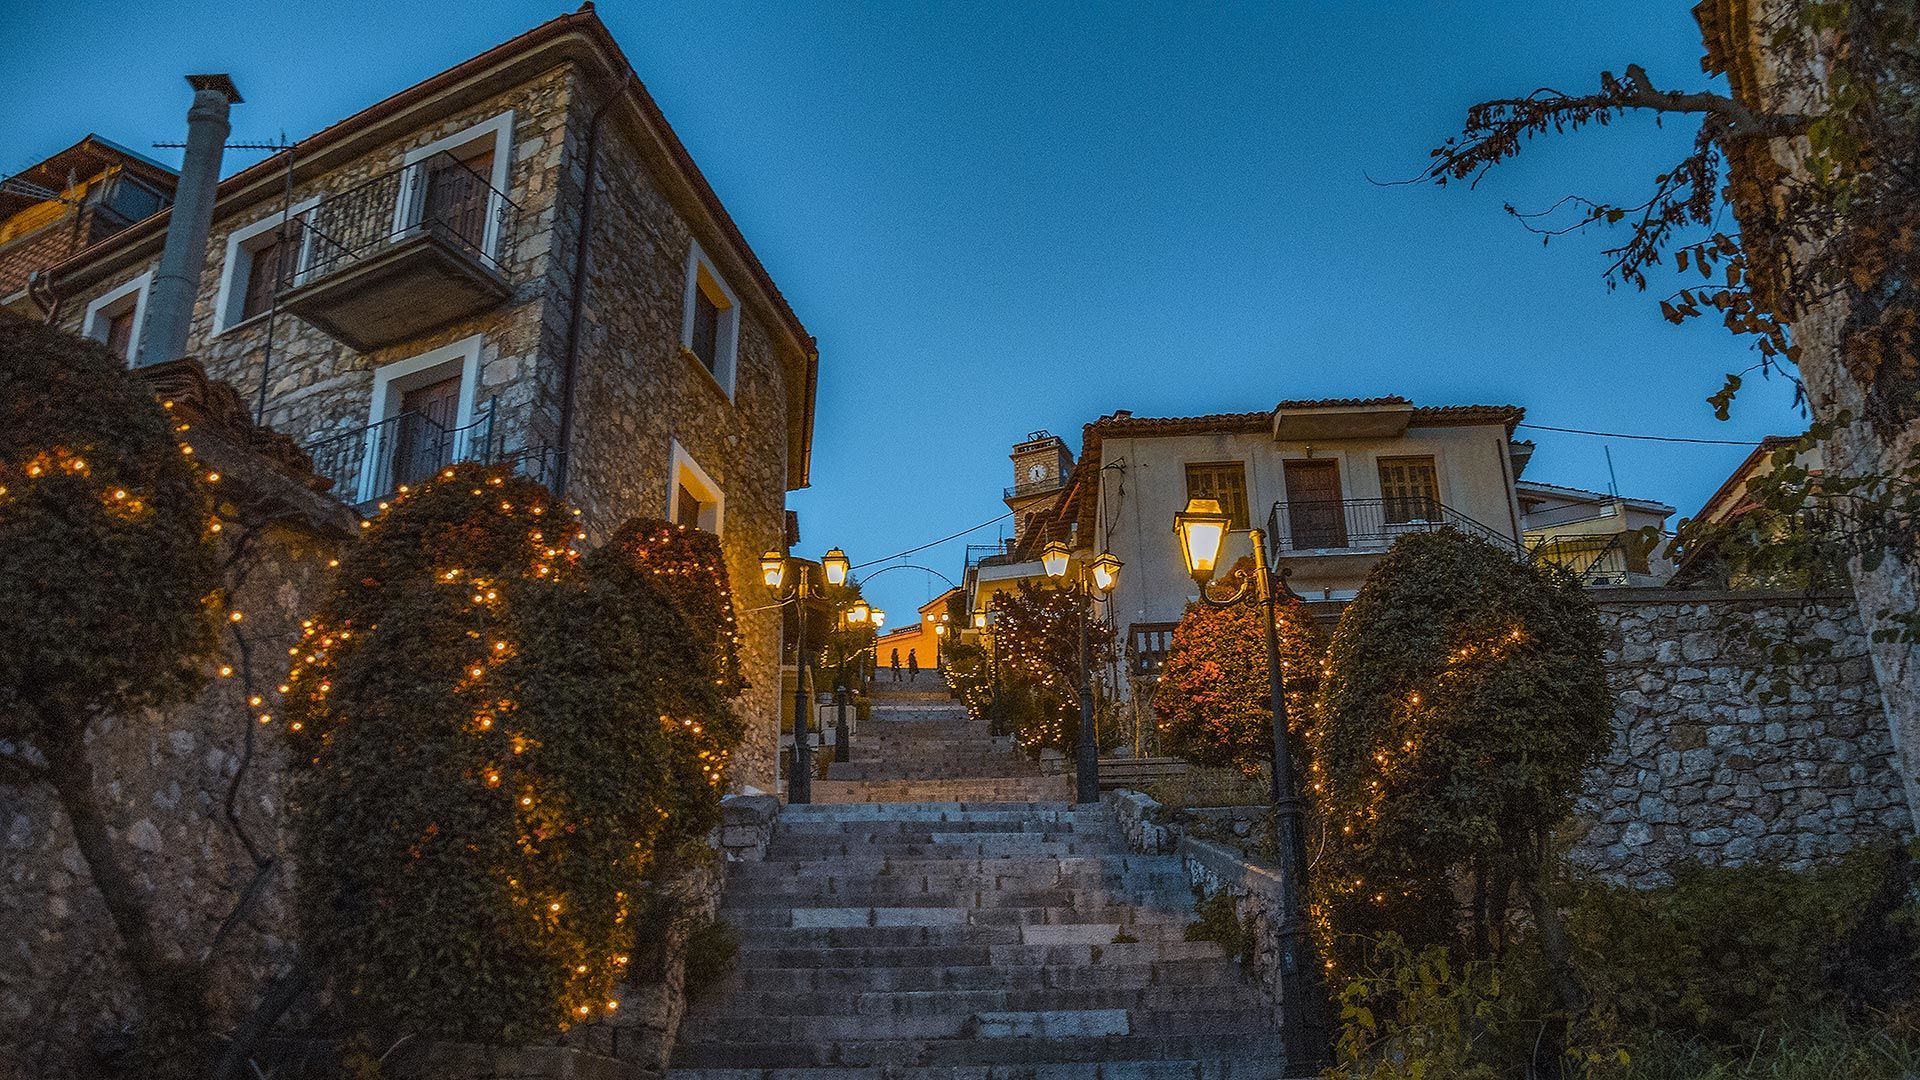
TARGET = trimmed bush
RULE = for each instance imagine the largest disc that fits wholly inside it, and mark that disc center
(492, 741)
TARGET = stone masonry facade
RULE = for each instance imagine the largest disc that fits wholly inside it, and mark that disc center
(637, 392)
(1703, 768)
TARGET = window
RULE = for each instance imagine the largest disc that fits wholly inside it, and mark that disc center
(115, 317)
(259, 262)
(1224, 483)
(711, 331)
(131, 199)
(693, 498)
(1409, 490)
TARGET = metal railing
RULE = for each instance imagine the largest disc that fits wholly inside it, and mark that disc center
(438, 195)
(1603, 559)
(1366, 524)
(1032, 487)
(370, 463)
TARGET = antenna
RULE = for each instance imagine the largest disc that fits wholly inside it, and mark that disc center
(1613, 482)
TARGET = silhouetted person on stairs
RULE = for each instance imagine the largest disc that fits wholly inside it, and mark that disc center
(913, 665)
(896, 665)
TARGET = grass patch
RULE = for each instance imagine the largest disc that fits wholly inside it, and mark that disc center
(1218, 920)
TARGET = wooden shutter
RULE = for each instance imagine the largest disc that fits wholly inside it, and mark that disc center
(1224, 483)
(1409, 489)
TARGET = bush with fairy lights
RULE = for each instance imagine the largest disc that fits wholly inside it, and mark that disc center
(649, 557)
(1037, 633)
(1214, 700)
(109, 574)
(1463, 699)
(490, 738)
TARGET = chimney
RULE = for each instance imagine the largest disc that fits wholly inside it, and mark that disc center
(170, 299)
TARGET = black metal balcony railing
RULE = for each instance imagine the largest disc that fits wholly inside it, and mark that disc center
(371, 463)
(1605, 559)
(1365, 524)
(439, 195)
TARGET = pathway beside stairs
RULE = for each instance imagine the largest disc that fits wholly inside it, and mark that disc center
(943, 912)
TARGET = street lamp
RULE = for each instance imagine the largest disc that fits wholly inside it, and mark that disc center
(1202, 528)
(773, 572)
(835, 564)
(1096, 580)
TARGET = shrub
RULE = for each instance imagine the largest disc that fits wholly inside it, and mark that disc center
(1217, 919)
(492, 740)
(711, 950)
(1463, 699)
(1214, 698)
(110, 582)
(1726, 955)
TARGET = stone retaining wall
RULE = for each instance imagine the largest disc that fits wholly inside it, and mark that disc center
(1703, 767)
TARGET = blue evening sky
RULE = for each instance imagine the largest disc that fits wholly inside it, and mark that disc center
(1003, 217)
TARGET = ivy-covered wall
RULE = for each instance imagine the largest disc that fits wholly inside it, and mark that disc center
(1711, 761)
(181, 788)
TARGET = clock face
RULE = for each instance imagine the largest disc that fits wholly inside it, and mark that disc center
(1036, 473)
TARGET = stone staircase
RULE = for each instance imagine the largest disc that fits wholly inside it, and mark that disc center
(941, 913)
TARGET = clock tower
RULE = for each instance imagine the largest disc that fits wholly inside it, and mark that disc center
(1040, 466)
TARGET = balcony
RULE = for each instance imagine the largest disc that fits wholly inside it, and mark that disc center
(1338, 528)
(1598, 560)
(401, 254)
(370, 464)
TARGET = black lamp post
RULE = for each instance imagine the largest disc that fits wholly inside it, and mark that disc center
(1202, 528)
(773, 571)
(1097, 577)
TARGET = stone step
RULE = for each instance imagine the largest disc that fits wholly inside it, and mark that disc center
(1207, 972)
(1094, 933)
(793, 1053)
(1190, 1069)
(811, 1003)
(950, 863)
(1027, 1024)
(951, 917)
(1166, 892)
(1031, 954)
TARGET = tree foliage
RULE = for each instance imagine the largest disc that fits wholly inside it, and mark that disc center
(1818, 153)
(111, 588)
(1037, 633)
(1463, 699)
(108, 569)
(1214, 700)
(493, 737)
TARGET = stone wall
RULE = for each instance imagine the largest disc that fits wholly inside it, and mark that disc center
(638, 393)
(187, 791)
(1703, 768)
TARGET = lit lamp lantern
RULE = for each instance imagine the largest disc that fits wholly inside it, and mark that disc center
(980, 619)
(1202, 528)
(940, 631)
(1105, 572)
(836, 566)
(879, 618)
(860, 613)
(1054, 558)
(773, 570)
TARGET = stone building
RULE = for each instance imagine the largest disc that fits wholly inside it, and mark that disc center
(517, 261)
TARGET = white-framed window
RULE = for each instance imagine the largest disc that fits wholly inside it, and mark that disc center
(442, 185)
(710, 329)
(421, 417)
(693, 499)
(257, 259)
(115, 317)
